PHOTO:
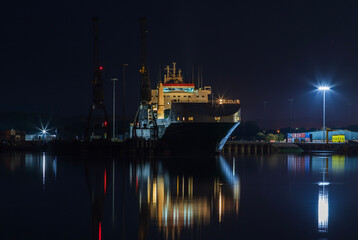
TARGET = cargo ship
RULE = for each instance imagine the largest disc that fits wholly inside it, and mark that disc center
(185, 117)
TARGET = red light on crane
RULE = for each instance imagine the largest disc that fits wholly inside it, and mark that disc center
(105, 123)
(100, 68)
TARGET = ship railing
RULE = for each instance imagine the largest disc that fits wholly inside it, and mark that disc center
(227, 101)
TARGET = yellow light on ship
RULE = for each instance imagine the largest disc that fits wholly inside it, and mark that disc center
(220, 101)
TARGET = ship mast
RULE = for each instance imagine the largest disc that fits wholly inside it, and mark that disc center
(171, 76)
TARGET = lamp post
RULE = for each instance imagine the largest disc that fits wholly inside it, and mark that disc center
(124, 98)
(114, 108)
(324, 89)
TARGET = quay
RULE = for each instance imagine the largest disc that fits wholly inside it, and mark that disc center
(235, 147)
(135, 146)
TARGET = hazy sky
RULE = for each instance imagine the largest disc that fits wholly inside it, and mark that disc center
(255, 51)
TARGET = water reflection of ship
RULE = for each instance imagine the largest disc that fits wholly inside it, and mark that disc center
(179, 202)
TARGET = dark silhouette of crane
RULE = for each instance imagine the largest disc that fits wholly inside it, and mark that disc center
(97, 127)
(145, 119)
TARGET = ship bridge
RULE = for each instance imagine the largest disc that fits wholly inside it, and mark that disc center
(185, 87)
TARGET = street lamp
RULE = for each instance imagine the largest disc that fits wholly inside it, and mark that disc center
(114, 108)
(324, 89)
(124, 99)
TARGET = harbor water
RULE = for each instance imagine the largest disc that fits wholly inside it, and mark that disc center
(278, 196)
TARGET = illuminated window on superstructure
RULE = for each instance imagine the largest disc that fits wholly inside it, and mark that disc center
(217, 119)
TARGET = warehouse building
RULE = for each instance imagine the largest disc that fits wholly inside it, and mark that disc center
(338, 135)
(11, 135)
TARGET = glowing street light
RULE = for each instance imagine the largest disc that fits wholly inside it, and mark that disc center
(324, 89)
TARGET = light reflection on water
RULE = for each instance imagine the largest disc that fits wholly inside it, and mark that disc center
(177, 202)
(323, 209)
(177, 198)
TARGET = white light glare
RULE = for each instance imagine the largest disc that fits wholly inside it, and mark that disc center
(323, 88)
(44, 131)
(323, 210)
(323, 183)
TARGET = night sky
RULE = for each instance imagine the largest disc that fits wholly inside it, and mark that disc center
(255, 51)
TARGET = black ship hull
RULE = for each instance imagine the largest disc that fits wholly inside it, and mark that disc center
(198, 137)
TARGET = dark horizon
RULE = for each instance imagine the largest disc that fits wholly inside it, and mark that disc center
(255, 52)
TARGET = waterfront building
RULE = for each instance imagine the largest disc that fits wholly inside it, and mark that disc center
(12, 135)
(337, 135)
